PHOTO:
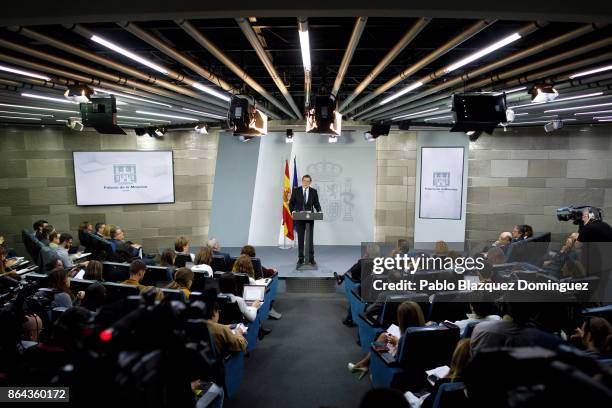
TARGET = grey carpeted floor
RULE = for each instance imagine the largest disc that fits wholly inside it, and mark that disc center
(302, 363)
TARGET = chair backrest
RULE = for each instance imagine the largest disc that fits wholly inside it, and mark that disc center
(601, 311)
(451, 395)
(388, 316)
(426, 347)
(182, 259)
(115, 272)
(229, 312)
(201, 282)
(449, 305)
(156, 276)
(101, 249)
(77, 285)
(241, 280)
(40, 278)
(530, 250)
(116, 291)
(174, 294)
(218, 264)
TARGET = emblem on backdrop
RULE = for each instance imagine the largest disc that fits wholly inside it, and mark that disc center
(335, 192)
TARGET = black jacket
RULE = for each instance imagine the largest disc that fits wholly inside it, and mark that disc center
(296, 202)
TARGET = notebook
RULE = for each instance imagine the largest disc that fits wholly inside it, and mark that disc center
(252, 293)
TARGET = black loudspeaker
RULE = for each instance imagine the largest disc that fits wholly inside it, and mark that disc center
(474, 112)
(100, 114)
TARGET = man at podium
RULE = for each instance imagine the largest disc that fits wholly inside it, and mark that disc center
(304, 198)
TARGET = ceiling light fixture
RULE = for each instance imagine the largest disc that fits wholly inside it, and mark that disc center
(438, 118)
(24, 73)
(404, 91)
(137, 118)
(210, 115)
(211, 91)
(513, 90)
(479, 54)
(305, 46)
(165, 116)
(128, 54)
(415, 114)
(590, 71)
(48, 98)
(36, 108)
(27, 113)
(578, 107)
(593, 113)
(19, 117)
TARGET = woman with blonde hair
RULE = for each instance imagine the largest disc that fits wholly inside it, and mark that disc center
(244, 264)
(460, 359)
(202, 261)
(183, 279)
(409, 314)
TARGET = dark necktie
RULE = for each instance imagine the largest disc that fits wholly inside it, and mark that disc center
(305, 198)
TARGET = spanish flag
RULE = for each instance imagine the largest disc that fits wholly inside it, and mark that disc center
(287, 219)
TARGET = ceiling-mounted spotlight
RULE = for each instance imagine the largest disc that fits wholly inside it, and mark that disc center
(289, 136)
(202, 129)
(378, 129)
(553, 125)
(245, 119)
(542, 93)
(75, 124)
(160, 131)
(78, 93)
(332, 139)
(323, 117)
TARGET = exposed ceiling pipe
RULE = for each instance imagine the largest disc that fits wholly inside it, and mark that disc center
(172, 53)
(303, 28)
(490, 67)
(217, 97)
(561, 82)
(91, 80)
(416, 28)
(360, 24)
(107, 63)
(217, 53)
(523, 32)
(440, 51)
(261, 53)
(529, 67)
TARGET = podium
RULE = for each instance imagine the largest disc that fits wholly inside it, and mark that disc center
(307, 216)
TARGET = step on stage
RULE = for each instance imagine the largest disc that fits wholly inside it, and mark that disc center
(329, 258)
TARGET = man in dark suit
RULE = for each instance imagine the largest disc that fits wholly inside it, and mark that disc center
(304, 198)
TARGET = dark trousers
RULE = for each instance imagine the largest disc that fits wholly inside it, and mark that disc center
(300, 227)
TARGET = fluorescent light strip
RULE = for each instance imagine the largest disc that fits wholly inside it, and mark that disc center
(605, 120)
(593, 113)
(24, 73)
(133, 124)
(569, 98)
(438, 117)
(128, 54)
(18, 117)
(602, 117)
(212, 115)
(415, 114)
(305, 46)
(61, 120)
(36, 108)
(137, 118)
(211, 91)
(493, 47)
(136, 98)
(163, 115)
(407, 89)
(27, 113)
(540, 121)
(591, 71)
(521, 114)
(48, 98)
(578, 107)
(522, 88)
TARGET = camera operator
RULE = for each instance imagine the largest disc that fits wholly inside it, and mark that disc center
(596, 237)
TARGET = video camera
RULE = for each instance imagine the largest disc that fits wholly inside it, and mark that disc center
(574, 214)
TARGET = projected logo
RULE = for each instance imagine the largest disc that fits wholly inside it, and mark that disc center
(124, 173)
(441, 179)
(335, 193)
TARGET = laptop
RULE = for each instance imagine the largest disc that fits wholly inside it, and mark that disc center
(252, 293)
